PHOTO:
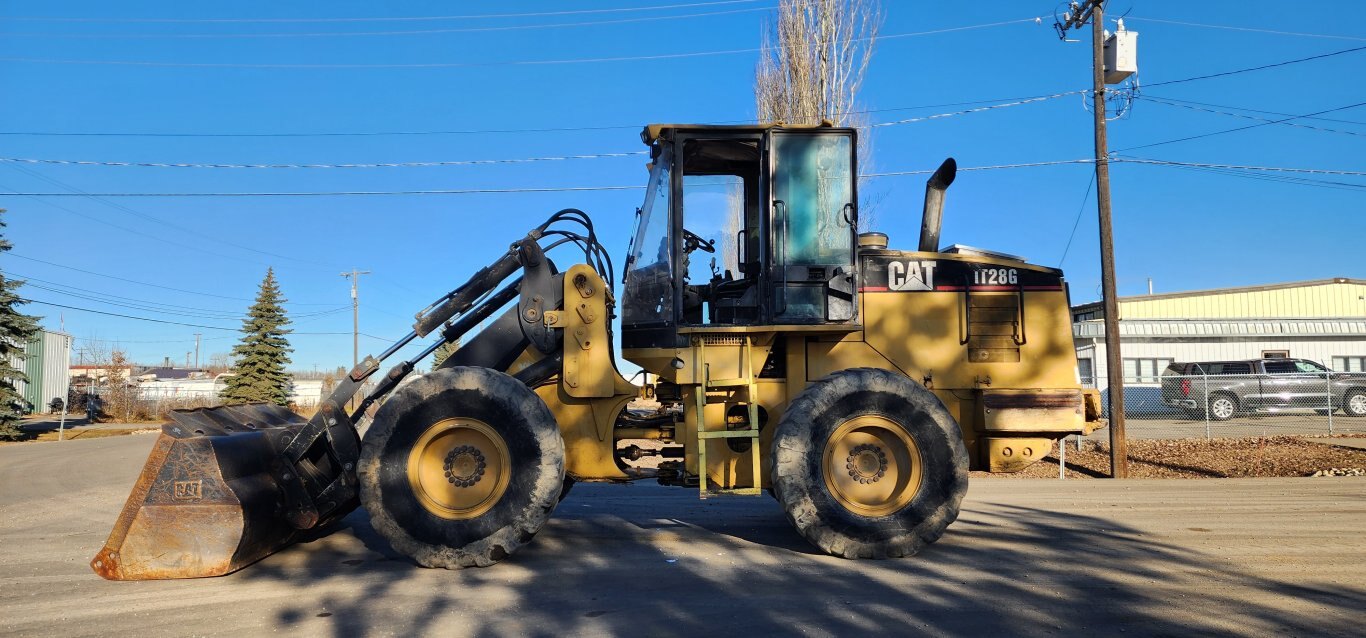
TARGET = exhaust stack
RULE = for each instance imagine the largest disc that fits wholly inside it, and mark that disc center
(934, 204)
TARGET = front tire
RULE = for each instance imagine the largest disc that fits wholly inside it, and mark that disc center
(869, 464)
(461, 467)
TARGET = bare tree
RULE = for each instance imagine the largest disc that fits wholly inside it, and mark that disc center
(811, 68)
(813, 60)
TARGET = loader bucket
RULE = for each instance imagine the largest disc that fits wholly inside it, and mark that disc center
(211, 498)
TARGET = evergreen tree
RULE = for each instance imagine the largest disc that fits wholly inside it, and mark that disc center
(261, 356)
(16, 329)
(443, 351)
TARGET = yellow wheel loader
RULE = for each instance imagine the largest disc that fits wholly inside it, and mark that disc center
(784, 351)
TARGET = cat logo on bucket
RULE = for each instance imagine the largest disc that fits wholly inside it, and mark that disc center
(188, 490)
(910, 275)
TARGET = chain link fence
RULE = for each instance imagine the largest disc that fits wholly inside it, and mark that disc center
(1241, 405)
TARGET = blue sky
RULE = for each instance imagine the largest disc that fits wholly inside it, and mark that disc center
(1184, 228)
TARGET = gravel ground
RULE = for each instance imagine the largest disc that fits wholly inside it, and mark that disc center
(1201, 458)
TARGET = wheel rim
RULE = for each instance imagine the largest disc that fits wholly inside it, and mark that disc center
(1223, 408)
(459, 468)
(872, 466)
(1357, 404)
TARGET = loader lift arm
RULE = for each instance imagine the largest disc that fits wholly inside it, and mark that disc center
(455, 314)
(257, 475)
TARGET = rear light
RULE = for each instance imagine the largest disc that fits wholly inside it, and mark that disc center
(1185, 387)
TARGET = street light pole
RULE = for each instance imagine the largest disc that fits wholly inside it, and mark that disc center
(354, 275)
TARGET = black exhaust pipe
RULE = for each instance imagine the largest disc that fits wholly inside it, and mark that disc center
(934, 204)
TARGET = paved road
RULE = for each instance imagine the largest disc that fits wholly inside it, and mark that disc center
(1027, 557)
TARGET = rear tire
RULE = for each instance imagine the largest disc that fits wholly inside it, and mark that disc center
(1222, 407)
(869, 464)
(461, 467)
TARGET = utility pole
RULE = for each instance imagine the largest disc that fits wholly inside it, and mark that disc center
(196, 349)
(1078, 15)
(354, 275)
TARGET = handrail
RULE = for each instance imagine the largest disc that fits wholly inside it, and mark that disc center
(782, 235)
(967, 311)
(1021, 338)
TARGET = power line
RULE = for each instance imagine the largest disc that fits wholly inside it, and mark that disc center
(1250, 110)
(228, 314)
(1148, 98)
(343, 34)
(177, 323)
(1077, 222)
(523, 160)
(99, 220)
(465, 191)
(150, 285)
(117, 340)
(486, 16)
(1257, 68)
(983, 168)
(1255, 30)
(115, 314)
(19, 160)
(1240, 128)
(158, 220)
(1041, 98)
(451, 65)
(1275, 169)
(470, 191)
(461, 131)
(1269, 177)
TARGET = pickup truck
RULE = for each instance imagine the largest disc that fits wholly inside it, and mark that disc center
(1225, 389)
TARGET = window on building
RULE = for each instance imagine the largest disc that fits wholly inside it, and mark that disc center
(1349, 364)
(1086, 369)
(1144, 370)
(1275, 354)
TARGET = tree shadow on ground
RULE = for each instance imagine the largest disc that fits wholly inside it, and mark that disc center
(619, 560)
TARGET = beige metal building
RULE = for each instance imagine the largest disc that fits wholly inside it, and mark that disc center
(1323, 320)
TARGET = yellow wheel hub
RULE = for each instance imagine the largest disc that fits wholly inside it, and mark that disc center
(872, 466)
(459, 468)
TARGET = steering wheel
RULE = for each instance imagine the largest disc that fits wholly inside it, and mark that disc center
(692, 241)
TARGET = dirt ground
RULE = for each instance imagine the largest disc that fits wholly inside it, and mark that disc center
(1277, 456)
(1202, 458)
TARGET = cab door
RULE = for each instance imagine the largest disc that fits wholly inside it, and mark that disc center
(813, 205)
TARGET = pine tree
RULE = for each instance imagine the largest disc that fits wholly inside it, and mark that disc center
(442, 351)
(16, 329)
(261, 356)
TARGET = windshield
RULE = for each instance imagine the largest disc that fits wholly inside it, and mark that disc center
(648, 297)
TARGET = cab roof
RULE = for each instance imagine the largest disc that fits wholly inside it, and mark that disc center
(653, 132)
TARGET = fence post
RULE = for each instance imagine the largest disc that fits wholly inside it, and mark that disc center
(1204, 378)
(1328, 387)
(1062, 458)
(61, 425)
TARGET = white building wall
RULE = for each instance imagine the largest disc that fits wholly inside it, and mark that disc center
(1321, 350)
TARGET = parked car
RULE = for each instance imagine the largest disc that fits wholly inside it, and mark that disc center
(1224, 389)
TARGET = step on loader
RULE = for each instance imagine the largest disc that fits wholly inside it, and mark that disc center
(784, 353)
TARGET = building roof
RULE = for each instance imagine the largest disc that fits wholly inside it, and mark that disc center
(170, 373)
(1317, 298)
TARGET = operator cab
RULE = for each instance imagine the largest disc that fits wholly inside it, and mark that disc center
(742, 226)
